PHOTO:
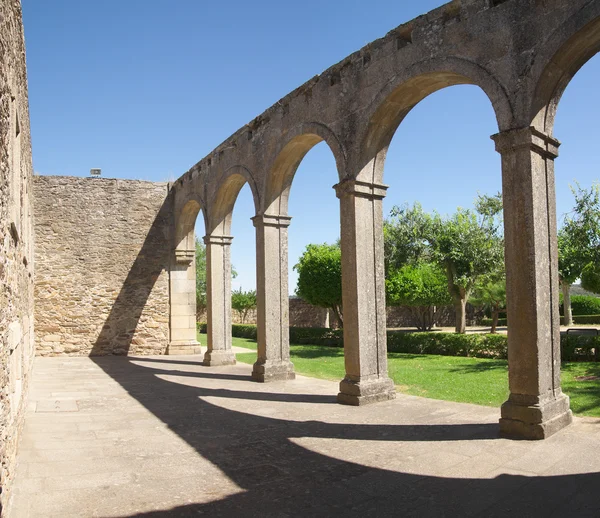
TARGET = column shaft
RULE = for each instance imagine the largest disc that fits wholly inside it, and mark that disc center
(218, 298)
(536, 407)
(363, 286)
(182, 280)
(272, 309)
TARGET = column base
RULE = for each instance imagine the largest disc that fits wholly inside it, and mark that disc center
(358, 393)
(215, 358)
(534, 422)
(265, 371)
(183, 348)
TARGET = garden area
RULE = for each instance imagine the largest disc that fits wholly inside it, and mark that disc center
(465, 379)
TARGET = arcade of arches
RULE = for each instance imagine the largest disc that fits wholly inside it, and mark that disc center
(522, 54)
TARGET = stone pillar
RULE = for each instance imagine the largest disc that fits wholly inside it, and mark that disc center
(182, 294)
(536, 407)
(218, 295)
(272, 299)
(363, 298)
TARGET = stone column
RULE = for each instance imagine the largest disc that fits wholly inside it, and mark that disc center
(182, 292)
(363, 298)
(218, 295)
(536, 407)
(272, 299)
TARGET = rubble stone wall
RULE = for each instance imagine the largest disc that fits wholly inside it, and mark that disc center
(102, 255)
(16, 242)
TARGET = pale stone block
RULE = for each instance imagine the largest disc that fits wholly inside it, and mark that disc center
(15, 335)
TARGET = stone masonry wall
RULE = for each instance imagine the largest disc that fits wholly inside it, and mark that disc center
(16, 243)
(102, 256)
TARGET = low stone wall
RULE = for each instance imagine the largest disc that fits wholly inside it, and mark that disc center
(102, 256)
(16, 243)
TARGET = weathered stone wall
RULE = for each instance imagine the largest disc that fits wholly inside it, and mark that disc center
(16, 245)
(303, 314)
(102, 256)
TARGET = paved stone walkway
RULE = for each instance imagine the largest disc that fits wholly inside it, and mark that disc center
(164, 436)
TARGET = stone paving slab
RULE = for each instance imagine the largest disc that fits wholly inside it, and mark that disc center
(164, 436)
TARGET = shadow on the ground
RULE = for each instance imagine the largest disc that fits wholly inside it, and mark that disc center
(489, 365)
(282, 478)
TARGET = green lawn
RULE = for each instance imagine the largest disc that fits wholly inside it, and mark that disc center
(451, 378)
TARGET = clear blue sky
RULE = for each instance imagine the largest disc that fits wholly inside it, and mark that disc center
(145, 88)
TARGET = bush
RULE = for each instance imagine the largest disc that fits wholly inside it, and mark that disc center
(448, 344)
(487, 322)
(317, 336)
(201, 326)
(578, 319)
(579, 347)
(582, 305)
(587, 319)
(244, 331)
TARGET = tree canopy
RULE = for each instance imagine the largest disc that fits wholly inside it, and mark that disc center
(423, 288)
(320, 277)
(465, 245)
(243, 302)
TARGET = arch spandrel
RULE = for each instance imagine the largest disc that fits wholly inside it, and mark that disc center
(569, 47)
(224, 194)
(287, 157)
(402, 93)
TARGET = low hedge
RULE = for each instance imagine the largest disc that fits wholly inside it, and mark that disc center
(317, 336)
(582, 305)
(244, 331)
(448, 344)
(573, 347)
(577, 319)
(488, 322)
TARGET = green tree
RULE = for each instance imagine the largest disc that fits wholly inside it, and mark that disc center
(320, 277)
(490, 294)
(200, 276)
(466, 245)
(243, 302)
(405, 240)
(422, 287)
(579, 245)
(571, 262)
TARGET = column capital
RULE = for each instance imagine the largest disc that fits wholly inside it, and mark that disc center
(218, 240)
(184, 256)
(271, 220)
(531, 138)
(372, 191)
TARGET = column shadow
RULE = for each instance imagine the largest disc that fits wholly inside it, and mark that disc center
(281, 478)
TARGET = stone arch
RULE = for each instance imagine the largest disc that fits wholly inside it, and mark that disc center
(401, 94)
(221, 209)
(185, 223)
(567, 50)
(294, 147)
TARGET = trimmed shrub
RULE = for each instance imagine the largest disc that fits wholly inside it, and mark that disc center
(201, 326)
(487, 322)
(578, 319)
(244, 331)
(448, 344)
(317, 336)
(587, 319)
(582, 305)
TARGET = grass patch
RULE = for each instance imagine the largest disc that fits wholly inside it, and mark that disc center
(450, 378)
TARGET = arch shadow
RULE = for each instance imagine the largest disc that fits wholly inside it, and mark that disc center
(115, 337)
(280, 477)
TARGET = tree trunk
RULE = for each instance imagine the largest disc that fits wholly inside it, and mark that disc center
(495, 313)
(566, 289)
(337, 311)
(460, 305)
